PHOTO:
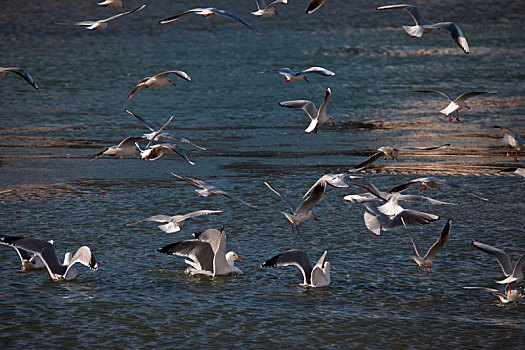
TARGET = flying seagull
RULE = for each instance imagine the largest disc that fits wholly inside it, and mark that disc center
(103, 23)
(46, 252)
(125, 148)
(209, 12)
(302, 75)
(209, 190)
(457, 104)
(424, 26)
(267, 11)
(317, 117)
(174, 223)
(207, 253)
(20, 72)
(160, 79)
(316, 276)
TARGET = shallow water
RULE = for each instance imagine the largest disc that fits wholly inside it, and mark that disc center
(140, 298)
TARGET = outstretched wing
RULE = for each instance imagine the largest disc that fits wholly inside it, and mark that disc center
(190, 180)
(288, 203)
(305, 105)
(367, 162)
(123, 14)
(314, 5)
(198, 251)
(470, 94)
(227, 195)
(22, 73)
(319, 70)
(414, 11)
(199, 213)
(502, 257)
(292, 257)
(179, 73)
(435, 92)
(85, 257)
(455, 33)
(440, 243)
(234, 17)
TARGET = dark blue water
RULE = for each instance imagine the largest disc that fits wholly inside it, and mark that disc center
(141, 299)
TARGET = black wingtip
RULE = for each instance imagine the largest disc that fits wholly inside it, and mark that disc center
(272, 262)
(10, 239)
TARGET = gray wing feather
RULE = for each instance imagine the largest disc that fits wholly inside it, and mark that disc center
(305, 105)
(440, 243)
(123, 14)
(436, 92)
(234, 17)
(502, 257)
(290, 205)
(22, 73)
(200, 252)
(315, 196)
(292, 257)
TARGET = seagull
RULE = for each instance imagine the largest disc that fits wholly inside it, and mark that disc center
(163, 135)
(391, 207)
(209, 190)
(507, 297)
(393, 152)
(514, 275)
(158, 80)
(303, 212)
(20, 72)
(125, 148)
(376, 220)
(514, 171)
(298, 76)
(117, 4)
(314, 6)
(174, 223)
(30, 261)
(267, 11)
(512, 139)
(317, 276)
(209, 12)
(103, 23)
(343, 180)
(426, 261)
(317, 117)
(457, 104)
(46, 252)
(207, 253)
(154, 152)
(433, 182)
(424, 26)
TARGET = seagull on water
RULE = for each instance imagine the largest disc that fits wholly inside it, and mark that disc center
(512, 139)
(316, 276)
(174, 223)
(206, 190)
(298, 76)
(424, 26)
(514, 275)
(157, 80)
(30, 261)
(209, 12)
(116, 4)
(207, 253)
(317, 117)
(103, 23)
(267, 11)
(427, 260)
(46, 253)
(507, 297)
(20, 72)
(457, 104)
(163, 135)
(393, 152)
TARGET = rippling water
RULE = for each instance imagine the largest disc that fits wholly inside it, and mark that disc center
(141, 299)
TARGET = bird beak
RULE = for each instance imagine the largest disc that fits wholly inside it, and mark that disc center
(238, 259)
(306, 79)
(316, 219)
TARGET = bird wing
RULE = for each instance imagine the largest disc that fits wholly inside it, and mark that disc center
(149, 124)
(85, 257)
(290, 205)
(319, 70)
(336, 181)
(137, 87)
(322, 109)
(314, 5)
(98, 154)
(123, 14)
(285, 71)
(405, 186)
(369, 161)
(494, 292)
(211, 236)
(274, 3)
(313, 198)
(502, 257)
(233, 17)
(459, 187)
(198, 251)
(422, 199)
(199, 213)
(414, 244)
(81, 23)
(179, 73)
(518, 268)
(190, 180)
(227, 195)
(175, 149)
(292, 257)
(180, 15)
(455, 33)
(414, 11)
(129, 141)
(412, 217)
(261, 5)
(305, 105)
(470, 94)
(415, 148)
(155, 218)
(435, 92)
(23, 73)
(440, 243)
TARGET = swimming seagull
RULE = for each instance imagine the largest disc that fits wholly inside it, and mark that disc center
(457, 104)
(207, 253)
(424, 26)
(316, 276)
(209, 190)
(163, 135)
(174, 223)
(20, 72)
(512, 139)
(267, 11)
(46, 252)
(317, 117)
(433, 182)
(298, 76)
(507, 297)
(426, 261)
(160, 79)
(125, 148)
(103, 23)
(314, 6)
(209, 12)
(393, 152)
(514, 275)
(30, 261)
(117, 4)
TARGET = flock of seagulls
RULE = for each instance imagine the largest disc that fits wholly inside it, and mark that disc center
(206, 252)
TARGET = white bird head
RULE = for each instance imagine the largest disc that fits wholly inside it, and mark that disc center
(231, 257)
